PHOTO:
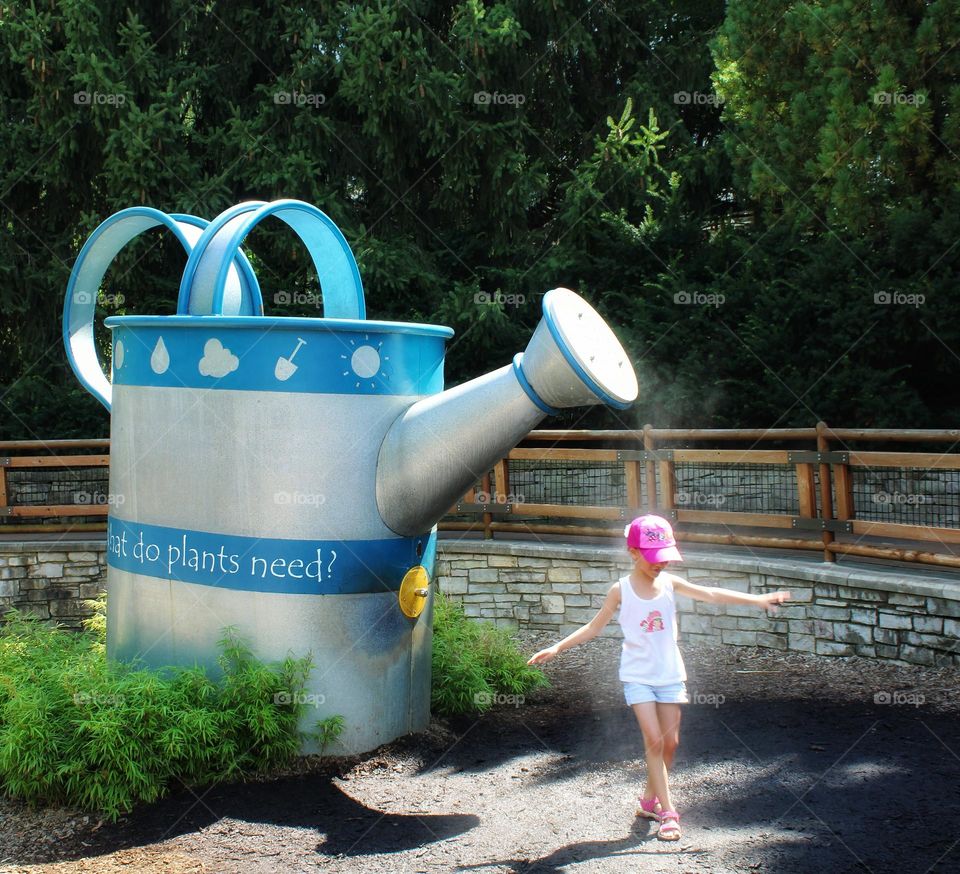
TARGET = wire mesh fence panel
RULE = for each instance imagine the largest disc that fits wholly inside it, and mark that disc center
(53, 487)
(907, 495)
(569, 483)
(744, 488)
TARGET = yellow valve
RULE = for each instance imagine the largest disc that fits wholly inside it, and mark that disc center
(414, 591)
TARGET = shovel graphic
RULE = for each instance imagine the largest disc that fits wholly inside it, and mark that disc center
(285, 367)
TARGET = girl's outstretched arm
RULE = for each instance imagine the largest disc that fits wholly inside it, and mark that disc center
(585, 632)
(717, 595)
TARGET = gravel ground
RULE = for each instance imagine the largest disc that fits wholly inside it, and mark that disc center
(787, 762)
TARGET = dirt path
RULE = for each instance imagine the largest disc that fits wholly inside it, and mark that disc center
(786, 764)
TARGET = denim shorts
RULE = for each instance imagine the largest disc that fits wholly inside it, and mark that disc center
(638, 693)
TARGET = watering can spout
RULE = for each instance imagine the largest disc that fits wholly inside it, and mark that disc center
(441, 445)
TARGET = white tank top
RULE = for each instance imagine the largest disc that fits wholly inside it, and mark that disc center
(650, 653)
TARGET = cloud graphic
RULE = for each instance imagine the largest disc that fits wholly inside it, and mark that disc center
(217, 360)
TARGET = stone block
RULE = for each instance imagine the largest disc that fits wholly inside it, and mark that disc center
(527, 561)
(454, 586)
(9, 588)
(831, 647)
(598, 575)
(771, 641)
(538, 577)
(580, 614)
(887, 652)
(801, 642)
(551, 604)
(833, 614)
(502, 560)
(483, 575)
(916, 655)
(48, 570)
(886, 636)
(944, 607)
(929, 624)
(735, 637)
(565, 588)
(863, 615)
(85, 557)
(894, 620)
(798, 593)
(577, 600)
(862, 634)
(825, 590)
(906, 600)
(467, 563)
(484, 588)
(563, 575)
(58, 557)
(852, 594)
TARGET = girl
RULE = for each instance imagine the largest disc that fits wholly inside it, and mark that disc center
(651, 667)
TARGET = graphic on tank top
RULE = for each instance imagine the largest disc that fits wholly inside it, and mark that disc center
(653, 622)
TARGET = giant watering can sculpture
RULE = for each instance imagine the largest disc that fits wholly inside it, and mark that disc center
(285, 475)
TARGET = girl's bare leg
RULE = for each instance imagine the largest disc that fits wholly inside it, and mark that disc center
(653, 742)
(669, 718)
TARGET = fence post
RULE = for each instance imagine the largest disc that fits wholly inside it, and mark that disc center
(826, 495)
(648, 445)
(487, 517)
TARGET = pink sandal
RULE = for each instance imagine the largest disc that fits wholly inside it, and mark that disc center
(669, 826)
(648, 808)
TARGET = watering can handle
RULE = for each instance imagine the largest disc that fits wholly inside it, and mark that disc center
(205, 286)
(103, 245)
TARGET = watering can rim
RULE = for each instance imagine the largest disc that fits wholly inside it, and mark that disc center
(359, 326)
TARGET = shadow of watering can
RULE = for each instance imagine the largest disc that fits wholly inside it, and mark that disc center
(297, 500)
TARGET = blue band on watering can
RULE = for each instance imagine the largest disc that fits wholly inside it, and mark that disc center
(571, 359)
(205, 277)
(528, 389)
(254, 564)
(315, 356)
(103, 245)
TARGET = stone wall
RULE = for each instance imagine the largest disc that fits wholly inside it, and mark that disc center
(904, 613)
(52, 580)
(891, 614)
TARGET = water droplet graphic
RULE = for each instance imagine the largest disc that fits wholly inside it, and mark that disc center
(118, 355)
(160, 359)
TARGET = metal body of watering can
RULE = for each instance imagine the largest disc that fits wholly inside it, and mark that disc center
(285, 475)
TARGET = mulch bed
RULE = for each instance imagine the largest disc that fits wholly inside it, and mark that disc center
(787, 762)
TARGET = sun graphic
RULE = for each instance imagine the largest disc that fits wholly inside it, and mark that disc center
(365, 362)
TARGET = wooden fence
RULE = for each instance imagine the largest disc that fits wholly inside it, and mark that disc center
(823, 468)
(643, 471)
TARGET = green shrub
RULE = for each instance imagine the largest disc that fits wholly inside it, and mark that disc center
(101, 735)
(473, 662)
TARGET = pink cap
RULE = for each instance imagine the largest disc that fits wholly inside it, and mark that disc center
(653, 536)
